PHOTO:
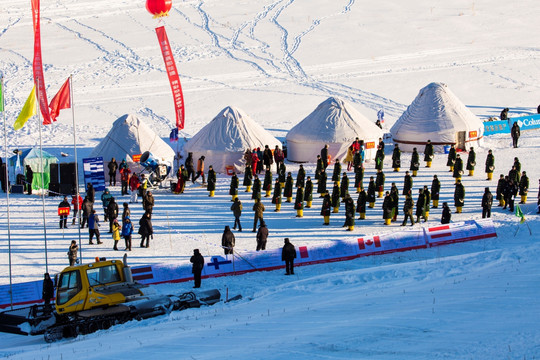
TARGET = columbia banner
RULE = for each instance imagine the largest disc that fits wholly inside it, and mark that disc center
(172, 73)
(39, 79)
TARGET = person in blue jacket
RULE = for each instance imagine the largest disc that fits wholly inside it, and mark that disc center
(127, 230)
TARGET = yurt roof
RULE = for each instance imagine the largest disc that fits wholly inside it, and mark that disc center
(334, 121)
(436, 114)
(128, 136)
(232, 130)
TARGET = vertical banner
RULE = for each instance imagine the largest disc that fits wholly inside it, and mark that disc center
(172, 73)
(94, 173)
(39, 79)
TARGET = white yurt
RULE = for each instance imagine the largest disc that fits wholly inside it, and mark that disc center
(130, 136)
(437, 115)
(334, 122)
(224, 140)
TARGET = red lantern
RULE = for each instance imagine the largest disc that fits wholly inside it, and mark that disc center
(158, 8)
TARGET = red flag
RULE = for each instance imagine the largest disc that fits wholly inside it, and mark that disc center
(62, 100)
(37, 65)
(174, 80)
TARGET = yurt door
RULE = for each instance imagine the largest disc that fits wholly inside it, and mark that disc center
(461, 137)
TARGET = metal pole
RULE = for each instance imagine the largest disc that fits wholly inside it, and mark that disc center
(79, 213)
(7, 193)
(42, 177)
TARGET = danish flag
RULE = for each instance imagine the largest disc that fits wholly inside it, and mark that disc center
(376, 242)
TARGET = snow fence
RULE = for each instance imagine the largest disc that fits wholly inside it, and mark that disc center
(347, 249)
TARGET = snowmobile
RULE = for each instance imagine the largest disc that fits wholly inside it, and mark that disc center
(96, 296)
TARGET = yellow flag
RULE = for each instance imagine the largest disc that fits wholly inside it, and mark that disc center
(29, 109)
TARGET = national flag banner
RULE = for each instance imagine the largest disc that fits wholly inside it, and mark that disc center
(29, 109)
(172, 73)
(519, 214)
(369, 243)
(173, 136)
(62, 100)
(37, 64)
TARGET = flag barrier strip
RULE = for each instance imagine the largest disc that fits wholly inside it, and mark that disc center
(413, 239)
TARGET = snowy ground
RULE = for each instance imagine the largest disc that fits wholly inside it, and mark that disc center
(277, 60)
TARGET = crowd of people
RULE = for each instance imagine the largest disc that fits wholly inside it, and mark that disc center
(416, 207)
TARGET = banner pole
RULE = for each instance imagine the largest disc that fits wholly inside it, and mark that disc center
(79, 211)
(7, 192)
(42, 182)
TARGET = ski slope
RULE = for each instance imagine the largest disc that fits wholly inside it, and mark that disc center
(277, 60)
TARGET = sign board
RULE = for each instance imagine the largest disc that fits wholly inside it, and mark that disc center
(94, 173)
(504, 126)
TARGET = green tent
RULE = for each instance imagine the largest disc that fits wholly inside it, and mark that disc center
(32, 157)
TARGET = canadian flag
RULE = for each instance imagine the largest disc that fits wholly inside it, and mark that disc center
(375, 243)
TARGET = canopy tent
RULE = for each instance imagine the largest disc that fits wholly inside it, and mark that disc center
(437, 115)
(130, 136)
(334, 122)
(31, 157)
(224, 140)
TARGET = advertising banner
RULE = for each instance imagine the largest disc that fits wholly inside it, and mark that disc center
(350, 248)
(94, 173)
(172, 73)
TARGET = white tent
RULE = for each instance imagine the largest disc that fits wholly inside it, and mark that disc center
(336, 123)
(437, 115)
(130, 136)
(224, 140)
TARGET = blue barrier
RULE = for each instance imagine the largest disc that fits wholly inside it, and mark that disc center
(529, 122)
(351, 247)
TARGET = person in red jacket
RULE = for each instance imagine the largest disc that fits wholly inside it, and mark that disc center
(134, 187)
(124, 178)
(76, 201)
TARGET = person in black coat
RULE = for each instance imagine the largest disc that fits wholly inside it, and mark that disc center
(63, 218)
(29, 179)
(288, 254)
(487, 201)
(86, 210)
(504, 114)
(262, 236)
(515, 132)
(228, 240)
(145, 229)
(198, 265)
(446, 214)
(91, 193)
(112, 213)
(190, 167)
(113, 166)
(48, 289)
(324, 156)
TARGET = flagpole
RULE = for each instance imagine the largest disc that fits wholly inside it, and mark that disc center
(7, 192)
(42, 177)
(79, 211)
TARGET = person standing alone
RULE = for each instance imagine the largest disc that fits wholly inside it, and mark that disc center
(198, 264)
(288, 254)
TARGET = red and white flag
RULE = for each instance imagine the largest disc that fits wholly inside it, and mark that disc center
(62, 100)
(369, 243)
(37, 65)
